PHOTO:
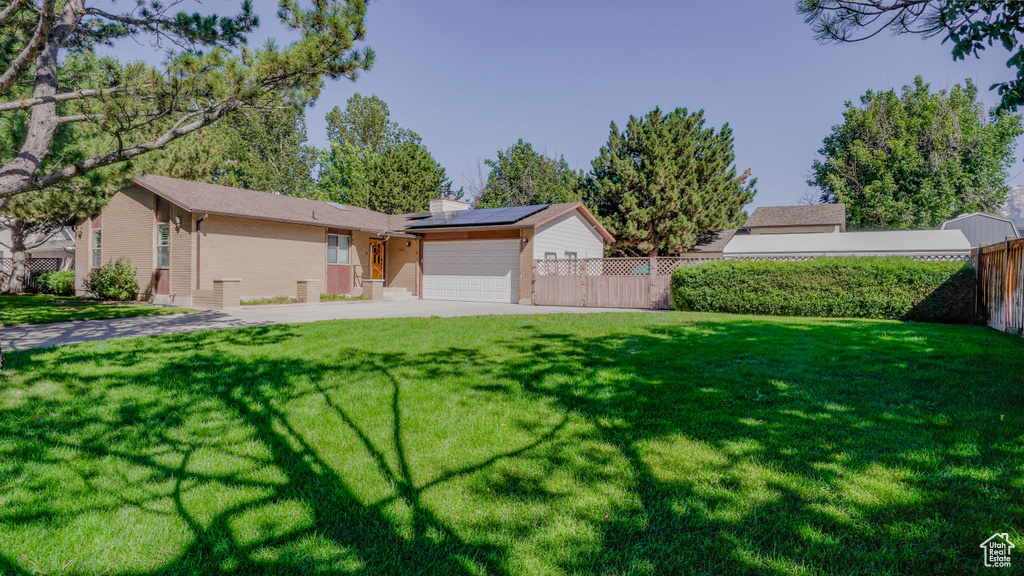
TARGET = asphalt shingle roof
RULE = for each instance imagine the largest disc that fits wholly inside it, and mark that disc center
(199, 197)
(811, 215)
(713, 241)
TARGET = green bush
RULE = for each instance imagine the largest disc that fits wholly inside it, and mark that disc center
(897, 288)
(61, 283)
(114, 281)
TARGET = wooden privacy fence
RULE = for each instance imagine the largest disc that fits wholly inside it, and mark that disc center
(1001, 285)
(608, 282)
(630, 282)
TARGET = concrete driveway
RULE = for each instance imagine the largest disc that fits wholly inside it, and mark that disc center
(43, 335)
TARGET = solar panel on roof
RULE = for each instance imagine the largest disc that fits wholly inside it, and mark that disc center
(483, 216)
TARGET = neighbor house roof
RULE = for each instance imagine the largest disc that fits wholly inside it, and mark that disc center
(811, 215)
(713, 241)
(539, 218)
(56, 240)
(908, 242)
(202, 198)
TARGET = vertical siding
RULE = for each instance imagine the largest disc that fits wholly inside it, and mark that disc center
(568, 233)
(981, 230)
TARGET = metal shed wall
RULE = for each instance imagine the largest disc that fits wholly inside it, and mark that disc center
(982, 229)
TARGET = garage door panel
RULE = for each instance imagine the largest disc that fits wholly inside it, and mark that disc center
(479, 270)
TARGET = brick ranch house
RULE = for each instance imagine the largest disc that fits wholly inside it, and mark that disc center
(196, 244)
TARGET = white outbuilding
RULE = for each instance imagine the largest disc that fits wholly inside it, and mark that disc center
(885, 243)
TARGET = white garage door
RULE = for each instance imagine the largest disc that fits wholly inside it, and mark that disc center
(475, 270)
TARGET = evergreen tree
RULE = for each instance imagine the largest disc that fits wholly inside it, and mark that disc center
(666, 179)
(201, 156)
(915, 159)
(209, 74)
(969, 26)
(522, 177)
(403, 179)
(269, 153)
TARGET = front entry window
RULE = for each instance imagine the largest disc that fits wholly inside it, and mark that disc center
(96, 241)
(163, 246)
(337, 249)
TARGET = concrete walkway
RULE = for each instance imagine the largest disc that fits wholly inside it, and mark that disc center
(43, 335)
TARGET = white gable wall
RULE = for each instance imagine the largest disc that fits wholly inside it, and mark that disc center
(568, 233)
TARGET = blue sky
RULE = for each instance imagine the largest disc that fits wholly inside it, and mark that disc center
(473, 76)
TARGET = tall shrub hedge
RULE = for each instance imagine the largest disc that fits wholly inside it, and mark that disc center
(897, 288)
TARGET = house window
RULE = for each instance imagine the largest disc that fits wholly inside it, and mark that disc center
(96, 236)
(550, 256)
(163, 245)
(337, 249)
(570, 255)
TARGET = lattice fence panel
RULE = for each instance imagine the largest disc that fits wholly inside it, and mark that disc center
(665, 265)
(33, 267)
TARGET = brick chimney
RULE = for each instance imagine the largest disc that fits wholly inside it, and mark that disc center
(441, 205)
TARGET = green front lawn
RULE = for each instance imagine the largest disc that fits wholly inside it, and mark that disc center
(19, 309)
(626, 443)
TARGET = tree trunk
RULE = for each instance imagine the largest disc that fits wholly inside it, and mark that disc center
(19, 234)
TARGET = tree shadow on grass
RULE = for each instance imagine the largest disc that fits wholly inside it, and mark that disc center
(208, 392)
(830, 455)
(739, 447)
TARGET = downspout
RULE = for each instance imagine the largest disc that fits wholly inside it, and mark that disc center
(198, 239)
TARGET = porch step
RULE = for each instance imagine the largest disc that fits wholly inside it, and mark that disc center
(395, 294)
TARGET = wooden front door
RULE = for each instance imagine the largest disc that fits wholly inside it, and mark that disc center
(376, 259)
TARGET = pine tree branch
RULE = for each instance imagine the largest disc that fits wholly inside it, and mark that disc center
(24, 59)
(178, 130)
(25, 103)
(10, 11)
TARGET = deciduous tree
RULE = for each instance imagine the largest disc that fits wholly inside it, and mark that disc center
(917, 158)
(366, 123)
(664, 180)
(374, 163)
(269, 152)
(521, 176)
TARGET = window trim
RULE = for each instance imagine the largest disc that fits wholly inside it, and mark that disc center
(95, 248)
(347, 251)
(571, 255)
(159, 246)
(551, 255)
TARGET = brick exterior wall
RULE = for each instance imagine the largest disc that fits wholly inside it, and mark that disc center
(526, 267)
(135, 241)
(182, 263)
(267, 256)
(360, 255)
(402, 264)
